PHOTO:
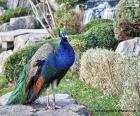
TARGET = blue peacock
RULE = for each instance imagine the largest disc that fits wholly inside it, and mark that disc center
(47, 72)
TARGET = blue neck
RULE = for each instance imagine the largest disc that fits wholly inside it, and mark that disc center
(66, 54)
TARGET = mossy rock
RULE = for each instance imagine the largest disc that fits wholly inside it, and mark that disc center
(127, 21)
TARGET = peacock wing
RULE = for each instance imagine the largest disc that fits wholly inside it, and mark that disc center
(40, 54)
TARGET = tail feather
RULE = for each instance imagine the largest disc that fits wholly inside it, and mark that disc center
(19, 94)
(34, 90)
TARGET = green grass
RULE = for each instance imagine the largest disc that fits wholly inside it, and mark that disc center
(5, 90)
(92, 98)
(4, 85)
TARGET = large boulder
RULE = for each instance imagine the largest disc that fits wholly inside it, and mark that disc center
(6, 27)
(129, 47)
(27, 39)
(127, 20)
(38, 108)
(25, 22)
(12, 4)
(3, 57)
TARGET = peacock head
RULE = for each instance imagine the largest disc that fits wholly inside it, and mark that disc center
(63, 35)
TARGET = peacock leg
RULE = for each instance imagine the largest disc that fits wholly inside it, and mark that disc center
(48, 101)
(54, 86)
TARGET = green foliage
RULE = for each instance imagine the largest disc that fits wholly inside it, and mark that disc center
(3, 4)
(5, 90)
(127, 19)
(66, 1)
(100, 34)
(94, 23)
(3, 81)
(11, 13)
(68, 20)
(15, 63)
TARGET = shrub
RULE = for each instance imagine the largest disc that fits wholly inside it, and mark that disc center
(113, 75)
(130, 99)
(102, 69)
(68, 19)
(94, 23)
(11, 13)
(101, 35)
(127, 21)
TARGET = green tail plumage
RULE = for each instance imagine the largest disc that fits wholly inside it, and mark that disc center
(19, 94)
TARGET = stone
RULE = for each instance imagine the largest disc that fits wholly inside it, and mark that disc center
(53, 5)
(12, 4)
(3, 57)
(6, 27)
(129, 47)
(25, 22)
(22, 41)
(38, 108)
(96, 9)
(2, 11)
(42, 8)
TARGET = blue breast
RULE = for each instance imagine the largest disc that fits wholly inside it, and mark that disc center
(65, 55)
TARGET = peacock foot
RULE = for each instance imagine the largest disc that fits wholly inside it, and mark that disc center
(53, 107)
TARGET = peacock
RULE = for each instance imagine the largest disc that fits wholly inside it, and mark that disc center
(42, 72)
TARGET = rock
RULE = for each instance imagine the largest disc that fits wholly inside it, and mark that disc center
(28, 39)
(4, 98)
(109, 13)
(53, 5)
(42, 9)
(3, 57)
(129, 47)
(12, 4)
(25, 22)
(95, 9)
(95, 12)
(6, 27)
(38, 108)
(2, 11)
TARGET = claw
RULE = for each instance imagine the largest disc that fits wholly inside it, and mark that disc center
(53, 107)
